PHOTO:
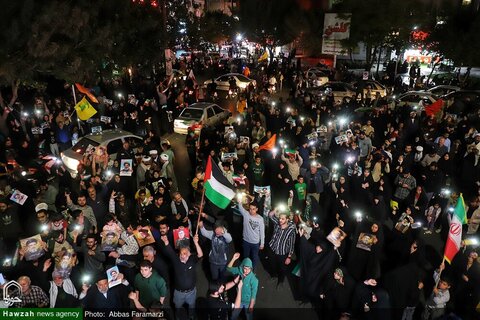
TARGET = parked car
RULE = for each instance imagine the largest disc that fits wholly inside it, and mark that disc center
(442, 90)
(375, 87)
(417, 100)
(445, 78)
(112, 140)
(316, 77)
(469, 98)
(339, 89)
(224, 84)
(197, 115)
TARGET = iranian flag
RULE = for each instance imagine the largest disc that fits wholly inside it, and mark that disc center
(455, 234)
(217, 188)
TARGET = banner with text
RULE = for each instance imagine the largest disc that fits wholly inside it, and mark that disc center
(336, 27)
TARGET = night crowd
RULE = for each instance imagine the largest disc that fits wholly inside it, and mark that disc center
(348, 209)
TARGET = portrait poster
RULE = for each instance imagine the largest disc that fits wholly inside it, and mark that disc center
(312, 136)
(366, 241)
(105, 119)
(37, 130)
(349, 133)
(226, 156)
(18, 197)
(112, 277)
(244, 141)
(341, 139)
(181, 237)
(109, 241)
(97, 129)
(126, 167)
(65, 263)
(143, 236)
(264, 191)
(336, 236)
(33, 247)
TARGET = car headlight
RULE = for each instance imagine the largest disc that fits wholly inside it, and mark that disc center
(71, 163)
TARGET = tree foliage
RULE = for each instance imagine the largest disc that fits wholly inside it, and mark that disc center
(269, 22)
(457, 37)
(74, 40)
(216, 26)
(385, 23)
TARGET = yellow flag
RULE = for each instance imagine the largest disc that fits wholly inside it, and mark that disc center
(84, 109)
(264, 56)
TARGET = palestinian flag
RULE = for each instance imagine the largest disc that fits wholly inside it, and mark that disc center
(217, 188)
(455, 234)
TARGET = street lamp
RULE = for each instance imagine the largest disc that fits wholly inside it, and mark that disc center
(239, 37)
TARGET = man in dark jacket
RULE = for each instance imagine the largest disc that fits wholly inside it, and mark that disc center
(314, 178)
(217, 257)
(99, 296)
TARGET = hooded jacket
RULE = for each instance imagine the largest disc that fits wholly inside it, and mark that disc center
(250, 282)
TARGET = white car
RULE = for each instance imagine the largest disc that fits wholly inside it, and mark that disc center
(112, 140)
(417, 100)
(339, 89)
(442, 90)
(224, 84)
(375, 87)
(316, 77)
(197, 115)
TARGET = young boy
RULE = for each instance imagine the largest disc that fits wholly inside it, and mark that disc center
(435, 305)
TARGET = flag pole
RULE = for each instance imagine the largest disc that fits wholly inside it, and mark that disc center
(75, 101)
(74, 95)
(200, 210)
(201, 202)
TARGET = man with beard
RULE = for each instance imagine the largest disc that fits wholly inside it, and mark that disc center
(62, 292)
(93, 258)
(180, 211)
(57, 244)
(99, 296)
(281, 246)
(184, 267)
(158, 264)
(159, 210)
(82, 205)
(96, 202)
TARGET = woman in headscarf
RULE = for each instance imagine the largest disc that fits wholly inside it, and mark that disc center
(317, 260)
(365, 251)
(405, 282)
(336, 294)
(447, 166)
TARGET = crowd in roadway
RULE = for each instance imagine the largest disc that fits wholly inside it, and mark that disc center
(349, 210)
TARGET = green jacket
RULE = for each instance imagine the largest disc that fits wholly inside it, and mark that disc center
(250, 282)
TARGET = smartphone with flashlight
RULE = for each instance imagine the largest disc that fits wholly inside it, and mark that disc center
(86, 279)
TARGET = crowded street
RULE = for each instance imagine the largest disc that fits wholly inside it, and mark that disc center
(234, 167)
